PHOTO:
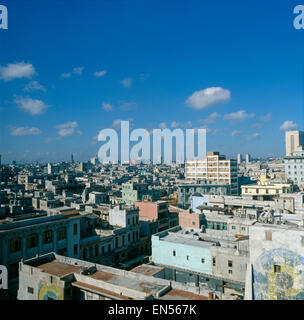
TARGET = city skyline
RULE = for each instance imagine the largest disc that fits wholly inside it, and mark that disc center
(237, 73)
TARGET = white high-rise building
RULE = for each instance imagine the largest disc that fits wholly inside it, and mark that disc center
(49, 168)
(214, 168)
(293, 140)
(247, 158)
(239, 158)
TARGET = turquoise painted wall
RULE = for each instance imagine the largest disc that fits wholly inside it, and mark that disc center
(162, 253)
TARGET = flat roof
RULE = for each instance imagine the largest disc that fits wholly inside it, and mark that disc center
(182, 295)
(102, 291)
(59, 269)
(147, 270)
(178, 238)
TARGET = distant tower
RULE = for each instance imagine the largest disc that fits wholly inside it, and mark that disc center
(72, 157)
(247, 158)
(239, 158)
(293, 140)
(49, 168)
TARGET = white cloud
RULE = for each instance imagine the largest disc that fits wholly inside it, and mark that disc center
(78, 70)
(162, 125)
(212, 131)
(16, 71)
(127, 105)
(117, 123)
(235, 132)
(127, 82)
(257, 125)
(32, 106)
(288, 125)
(67, 129)
(175, 124)
(206, 97)
(25, 131)
(266, 117)
(107, 106)
(100, 73)
(240, 115)
(34, 86)
(253, 136)
(210, 119)
(65, 75)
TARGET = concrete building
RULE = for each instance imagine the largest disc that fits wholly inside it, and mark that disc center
(293, 140)
(218, 262)
(132, 192)
(239, 158)
(98, 198)
(36, 235)
(202, 187)
(53, 277)
(247, 158)
(215, 168)
(265, 189)
(157, 211)
(276, 268)
(294, 167)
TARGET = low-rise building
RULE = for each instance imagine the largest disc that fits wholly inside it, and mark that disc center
(53, 277)
(218, 262)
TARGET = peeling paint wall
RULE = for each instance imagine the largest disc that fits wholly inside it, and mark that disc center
(277, 258)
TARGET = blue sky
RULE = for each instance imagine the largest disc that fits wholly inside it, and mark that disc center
(69, 69)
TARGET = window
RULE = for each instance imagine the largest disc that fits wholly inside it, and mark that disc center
(277, 268)
(109, 247)
(187, 257)
(123, 240)
(102, 250)
(96, 250)
(32, 240)
(13, 270)
(268, 235)
(230, 263)
(233, 227)
(213, 261)
(85, 253)
(47, 237)
(75, 249)
(174, 253)
(15, 245)
(30, 290)
(116, 243)
(193, 223)
(75, 228)
(203, 260)
(62, 252)
(62, 234)
(230, 271)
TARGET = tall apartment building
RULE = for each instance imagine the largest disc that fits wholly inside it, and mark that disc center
(293, 140)
(294, 167)
(215, 168)
(247, 158)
